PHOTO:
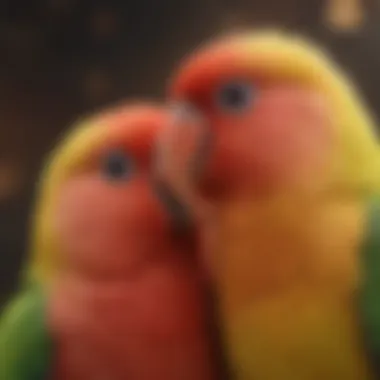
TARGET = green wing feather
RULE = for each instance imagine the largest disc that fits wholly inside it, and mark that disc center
(370, 293)
(25, 346)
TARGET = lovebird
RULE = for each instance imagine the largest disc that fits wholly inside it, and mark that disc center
(113, 289)
(276, 154)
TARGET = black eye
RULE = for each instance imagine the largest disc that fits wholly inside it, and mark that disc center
(236, 96)
(117, 165)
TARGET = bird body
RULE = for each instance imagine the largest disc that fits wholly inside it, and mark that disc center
(113, 288)
(277, 156)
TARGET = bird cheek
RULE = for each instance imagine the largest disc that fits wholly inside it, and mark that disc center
(76, 225)
(220, 172)
(96, 224)
(257, 156)
(148, 215)
(229, 160)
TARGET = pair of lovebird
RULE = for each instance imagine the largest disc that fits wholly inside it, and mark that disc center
(261, 184)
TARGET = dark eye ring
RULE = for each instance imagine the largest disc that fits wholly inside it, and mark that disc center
(236, 96)
(117, 165)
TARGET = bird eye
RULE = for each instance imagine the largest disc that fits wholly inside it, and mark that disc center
(235, 96)
(117, 165)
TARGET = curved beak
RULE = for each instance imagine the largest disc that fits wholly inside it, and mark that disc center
(172, 162)
(181, 152)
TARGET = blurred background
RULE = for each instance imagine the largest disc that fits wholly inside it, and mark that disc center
(60, 59)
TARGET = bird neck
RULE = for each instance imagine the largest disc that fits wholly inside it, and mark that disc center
(277, 245)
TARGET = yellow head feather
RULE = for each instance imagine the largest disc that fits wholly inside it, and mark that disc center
(70, 154)
(283, 56)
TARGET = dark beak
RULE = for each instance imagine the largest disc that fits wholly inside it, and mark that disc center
(181, 221)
